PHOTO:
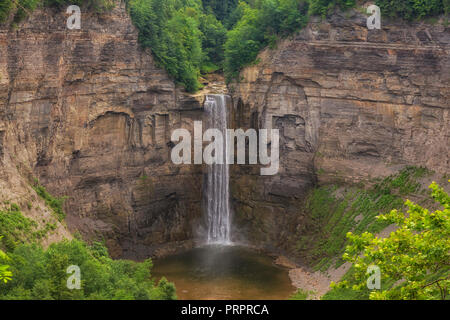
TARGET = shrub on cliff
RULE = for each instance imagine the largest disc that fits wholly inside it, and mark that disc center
(324, 7)
(94, 5)
(20, 9)
(413, 9)
(405, 9)
(6, 7)
(5, 273)
(56, 204)
(259, 25)
(190, 36)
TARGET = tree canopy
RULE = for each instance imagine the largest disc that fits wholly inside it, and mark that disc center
(41, 274)
(191, 37)
(414, 260)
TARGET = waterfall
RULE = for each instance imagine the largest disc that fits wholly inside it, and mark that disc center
(218, 177)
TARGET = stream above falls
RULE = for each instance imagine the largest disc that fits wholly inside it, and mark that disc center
(224, 272)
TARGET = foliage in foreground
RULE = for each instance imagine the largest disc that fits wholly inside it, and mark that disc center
(5, 273)
(301, 294)
(414, 259)
(41, 274)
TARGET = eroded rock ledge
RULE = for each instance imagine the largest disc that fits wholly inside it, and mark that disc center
(90, 114)
(351, 104)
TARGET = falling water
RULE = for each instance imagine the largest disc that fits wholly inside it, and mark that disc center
(217, 182)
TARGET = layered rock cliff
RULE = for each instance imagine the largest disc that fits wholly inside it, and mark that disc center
(351, 104)
(89, 114)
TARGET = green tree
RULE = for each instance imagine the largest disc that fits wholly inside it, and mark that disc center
(325, 7)
(5, 273)
(165, 290)
(170, 28)
(414, 259)
(222, 9)
(21, 8)
(41, 274)
(6, 7)
(214, 36)
(413, 9)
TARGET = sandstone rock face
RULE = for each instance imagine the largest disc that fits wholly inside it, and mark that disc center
(351, 104)
(90, 114)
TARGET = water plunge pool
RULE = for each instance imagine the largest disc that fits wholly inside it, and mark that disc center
(224, 272)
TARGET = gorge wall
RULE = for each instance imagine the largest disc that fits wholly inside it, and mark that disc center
(89, 114)
(351, 104)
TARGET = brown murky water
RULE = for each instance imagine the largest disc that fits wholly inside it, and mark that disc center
(224, 272)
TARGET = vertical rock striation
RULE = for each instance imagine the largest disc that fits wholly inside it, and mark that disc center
(351, 104)
(90, 114)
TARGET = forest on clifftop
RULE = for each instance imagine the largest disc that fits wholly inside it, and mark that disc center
(193, 37)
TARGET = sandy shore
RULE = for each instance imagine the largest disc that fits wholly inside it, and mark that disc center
(317, 283)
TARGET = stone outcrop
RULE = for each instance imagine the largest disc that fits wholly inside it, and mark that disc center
(351, 104)
(90, 114)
